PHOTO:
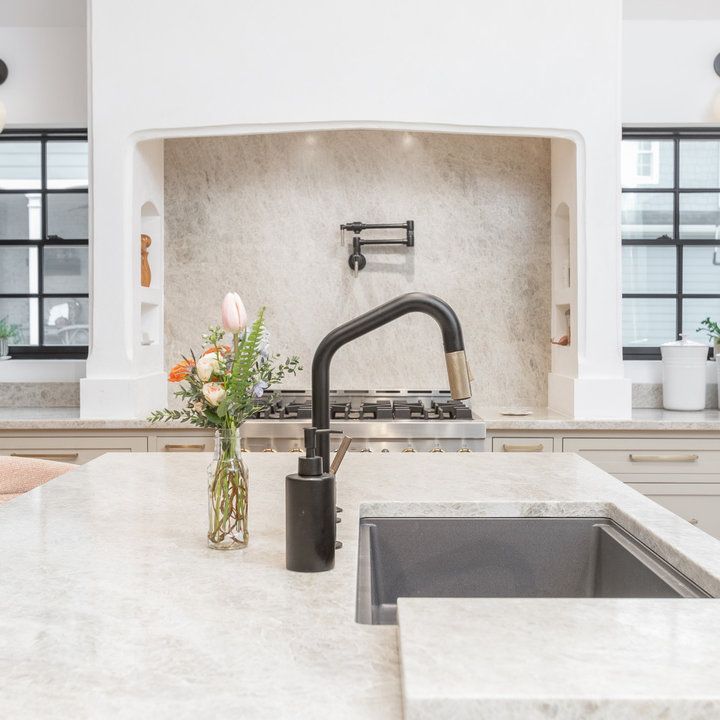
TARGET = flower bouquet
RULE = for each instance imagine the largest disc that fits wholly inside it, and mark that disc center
(220, 388)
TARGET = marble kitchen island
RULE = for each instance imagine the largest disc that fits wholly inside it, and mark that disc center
(112, 606)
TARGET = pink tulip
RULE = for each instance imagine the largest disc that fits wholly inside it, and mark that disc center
(234, 315)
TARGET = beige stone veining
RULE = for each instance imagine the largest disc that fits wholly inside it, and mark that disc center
(261, 215)
(112, 606)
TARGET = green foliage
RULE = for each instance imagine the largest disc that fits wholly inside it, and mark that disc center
(711, 328)
(245, 371)
(8, 330)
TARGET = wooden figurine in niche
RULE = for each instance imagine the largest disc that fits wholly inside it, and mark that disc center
(145, 274)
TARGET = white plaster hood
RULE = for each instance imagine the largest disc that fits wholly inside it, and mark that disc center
(548, 69)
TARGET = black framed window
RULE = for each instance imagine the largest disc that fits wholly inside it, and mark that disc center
(670, 221)
(44, 241)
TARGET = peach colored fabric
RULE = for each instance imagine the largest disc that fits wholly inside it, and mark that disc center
(18, 475)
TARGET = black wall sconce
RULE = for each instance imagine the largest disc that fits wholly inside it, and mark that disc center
(716, 64)
(357, 260)
(3, 71)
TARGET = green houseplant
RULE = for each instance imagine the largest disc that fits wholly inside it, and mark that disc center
(712, 330)
(220, 388)
(8, 333)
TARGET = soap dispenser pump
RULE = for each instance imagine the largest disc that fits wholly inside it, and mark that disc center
(310, 511)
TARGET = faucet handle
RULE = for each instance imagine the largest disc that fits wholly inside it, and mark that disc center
(340, 454)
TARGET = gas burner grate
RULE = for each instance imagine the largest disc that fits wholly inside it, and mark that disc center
(301, 410)
(340, 411)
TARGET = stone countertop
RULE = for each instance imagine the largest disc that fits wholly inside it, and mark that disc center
(112, 606)
(540, 419)
(603, 659)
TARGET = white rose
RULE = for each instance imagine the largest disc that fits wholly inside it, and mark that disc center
(213, 393)
(207, 365)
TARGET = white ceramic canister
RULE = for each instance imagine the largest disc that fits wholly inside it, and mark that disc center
(684, 375)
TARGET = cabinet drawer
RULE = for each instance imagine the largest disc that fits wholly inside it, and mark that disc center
(185, 443)
(649, 456)
(698, 503)
(522, 444)
(77, 450)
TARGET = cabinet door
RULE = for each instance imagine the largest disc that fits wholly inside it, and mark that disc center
(699, 503)
(522, 444)
(74, 449)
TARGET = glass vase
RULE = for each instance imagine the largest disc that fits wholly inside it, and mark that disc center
(227, 494)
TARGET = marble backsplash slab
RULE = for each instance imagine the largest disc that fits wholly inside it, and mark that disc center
(649, 395)
(37, 395)
(261, 215)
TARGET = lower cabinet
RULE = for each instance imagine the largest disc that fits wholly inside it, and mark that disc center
(681, 474)
(75, 449)
(698, 503)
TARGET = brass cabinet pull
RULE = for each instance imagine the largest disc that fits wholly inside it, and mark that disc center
(465, 449)
(408, 450)
(185, 448)
(269, 449)
(508, 447)
(294, 450)
(47, 455)
(437, 450)
(689, 457)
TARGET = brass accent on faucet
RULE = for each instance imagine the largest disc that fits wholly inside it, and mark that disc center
(458, 375)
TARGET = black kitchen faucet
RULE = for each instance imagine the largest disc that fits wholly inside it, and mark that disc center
(310, 512)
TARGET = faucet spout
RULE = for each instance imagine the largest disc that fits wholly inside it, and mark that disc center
(443, 314)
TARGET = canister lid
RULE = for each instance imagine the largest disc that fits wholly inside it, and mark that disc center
(684, 351)
(684, 342)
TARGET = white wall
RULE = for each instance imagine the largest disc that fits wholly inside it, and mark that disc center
(47, 80)
(668, 75)
(549, 68)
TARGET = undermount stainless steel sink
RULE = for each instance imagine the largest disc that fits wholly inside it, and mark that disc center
(505, 557)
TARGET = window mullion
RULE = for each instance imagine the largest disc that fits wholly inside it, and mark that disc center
(41, 249)
(676, 235)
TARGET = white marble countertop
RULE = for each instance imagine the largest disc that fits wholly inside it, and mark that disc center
(569, 659)
(112, 606)
(540, 419)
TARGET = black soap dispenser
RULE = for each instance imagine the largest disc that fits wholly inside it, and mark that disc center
(310, 511)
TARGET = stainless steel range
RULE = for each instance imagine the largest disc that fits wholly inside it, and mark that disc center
(376, 420)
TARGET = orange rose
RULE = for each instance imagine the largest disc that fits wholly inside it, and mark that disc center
(221, 349)
(180, 371)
